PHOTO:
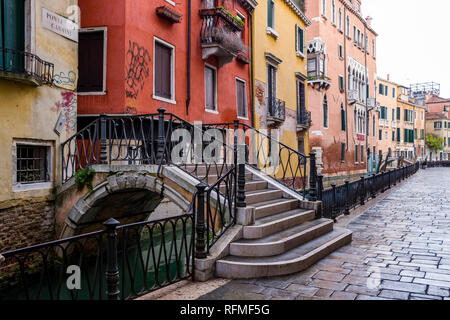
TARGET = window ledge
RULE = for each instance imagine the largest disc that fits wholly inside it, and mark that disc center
(31, 186)
(272, 32)
(102, 93)
(211, 111)
(155, 97)
(300, 54)
(243, 118)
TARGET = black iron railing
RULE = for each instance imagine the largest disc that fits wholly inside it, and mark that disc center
(304, 118)
(120, 262)
(434, 164)
(339, 200)
(15, 62)
(276, 109)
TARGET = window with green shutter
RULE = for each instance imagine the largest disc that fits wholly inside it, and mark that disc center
(343, 127)
(399, 111)
(386, 88)
(299, 39)
(415, 134)
(270, 13)
(422, 134)
(381, 89)
(341, 83)
(398, 135)
(12, 35)
(380, 135)
(393, 135)
(393, 92)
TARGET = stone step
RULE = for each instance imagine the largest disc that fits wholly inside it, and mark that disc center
(211, 169)
(283, 241)
(250, 186)
(268, 208)
(276, 223)
(292, 261)
(259, 196)
(213, 177)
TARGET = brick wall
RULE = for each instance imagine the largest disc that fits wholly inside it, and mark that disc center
(25, 223)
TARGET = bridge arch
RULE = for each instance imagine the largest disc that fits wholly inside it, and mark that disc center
(127, 195)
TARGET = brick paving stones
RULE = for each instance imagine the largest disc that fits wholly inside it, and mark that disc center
(400, 250)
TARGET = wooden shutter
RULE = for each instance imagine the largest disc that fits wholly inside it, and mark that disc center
(302, 40)
(13, 37)
(163, 71)
(270, 13)
(241, 100)
(90, 61)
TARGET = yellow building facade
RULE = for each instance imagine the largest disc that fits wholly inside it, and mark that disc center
(280, 74)
(38, 110)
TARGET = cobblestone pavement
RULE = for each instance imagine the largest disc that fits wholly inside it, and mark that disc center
(400, 250)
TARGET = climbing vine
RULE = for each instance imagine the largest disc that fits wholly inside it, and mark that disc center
(84, 178)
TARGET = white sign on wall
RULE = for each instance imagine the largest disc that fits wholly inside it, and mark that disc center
(60, 25)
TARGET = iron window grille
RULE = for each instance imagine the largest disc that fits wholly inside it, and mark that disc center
(32, 164)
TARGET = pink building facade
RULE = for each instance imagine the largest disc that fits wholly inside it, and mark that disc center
(341, 88)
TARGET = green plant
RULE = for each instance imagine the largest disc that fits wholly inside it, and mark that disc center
(434, 142)
(83, 178)
(239, 20)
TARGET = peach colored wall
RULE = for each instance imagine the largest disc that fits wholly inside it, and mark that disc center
(327, 141)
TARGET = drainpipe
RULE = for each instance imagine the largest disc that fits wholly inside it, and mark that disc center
(252, 61)
(367, 118)
(189, 49)
(345, 78)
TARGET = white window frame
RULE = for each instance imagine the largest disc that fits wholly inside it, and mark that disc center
(172, 71)
(216, 111)
(340, 48)
(324, 8)
(246, 99)
(20, 187)
(105, 59)
(271, 30)
(299, 53)
(340, 19)
(171, 2)
(333, 12)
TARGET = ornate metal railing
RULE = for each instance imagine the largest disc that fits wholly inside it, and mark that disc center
(15, 62)
(434, 164)
(339, 200)
(120, 262)
(276, 109)
(304, 118)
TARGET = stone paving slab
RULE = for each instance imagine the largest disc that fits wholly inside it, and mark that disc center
(400, 250)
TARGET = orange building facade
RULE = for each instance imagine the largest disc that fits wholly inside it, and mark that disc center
(341, 88)
(192, 58)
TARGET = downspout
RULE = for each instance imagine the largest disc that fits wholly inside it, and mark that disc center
(189, 49)
(367, 119)
(345, 77)
(252, 61)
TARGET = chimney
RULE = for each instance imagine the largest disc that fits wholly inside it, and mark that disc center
(369, 20)
(388, 76)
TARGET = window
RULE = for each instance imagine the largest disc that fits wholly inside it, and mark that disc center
(242, 17)
(340, 19)
(163, 65)
(354, 34)
(271, 83)
(341, 83)
(359, 34)
(393, 114)
(333, 12)
(271, 14)
(92, 61)
(340, 52)
(241, 96)
(383, 113)
(343, 118)
(386, 88)
(325, 112)
(416, 136)
(374, 126)
(373, 48)
(362, 154)
(301, 102)
(393, 92)
(324, 7)
(12, 35)
(299, 40)
(381, 89)
(437, 125)
(32, 166)
(380, 135)
(356, 154)
(399, 111)
(342, 152)
(393, 135)
(398, 135)
(210, 88)
(347, 31)
(422, 134)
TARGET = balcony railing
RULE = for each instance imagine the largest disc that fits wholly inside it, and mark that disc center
(276, 110)
(304, 120)
(220, 34)
(25, 67)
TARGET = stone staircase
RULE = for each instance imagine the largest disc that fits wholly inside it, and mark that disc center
(284, 238)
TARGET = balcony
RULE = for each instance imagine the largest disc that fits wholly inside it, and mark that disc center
(321, 81)
(276, 111)
(353, 96)
(304, 120)
(383, 122)
(25, 67)
(220, 35)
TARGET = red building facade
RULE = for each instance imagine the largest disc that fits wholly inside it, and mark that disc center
(191, 57)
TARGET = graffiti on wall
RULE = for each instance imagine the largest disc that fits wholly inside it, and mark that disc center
(138, 61)
(68, 108)
(65, 80)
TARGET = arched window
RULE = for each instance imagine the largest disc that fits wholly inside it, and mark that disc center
(325, 112)
(343, 120)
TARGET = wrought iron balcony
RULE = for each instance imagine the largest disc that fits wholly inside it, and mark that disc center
(276, 111)
(304, 120)
(220, 35)
(25, 67)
